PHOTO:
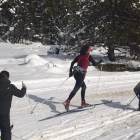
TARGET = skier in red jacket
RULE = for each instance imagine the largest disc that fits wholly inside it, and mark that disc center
(79, 72)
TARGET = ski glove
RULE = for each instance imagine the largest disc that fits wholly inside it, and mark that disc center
(101, 60)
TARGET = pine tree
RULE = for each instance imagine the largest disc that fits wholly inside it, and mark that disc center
(113, 17)
(7, 12)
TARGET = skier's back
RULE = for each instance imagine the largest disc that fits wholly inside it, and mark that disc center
(7, 90)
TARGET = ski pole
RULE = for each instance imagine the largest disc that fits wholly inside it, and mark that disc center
(35, 116)
(130, 102)
(99, 78)
(46, 99)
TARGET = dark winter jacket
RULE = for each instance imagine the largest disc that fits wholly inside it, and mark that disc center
(7, 91)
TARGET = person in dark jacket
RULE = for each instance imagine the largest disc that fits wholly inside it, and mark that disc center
(79, 72)
(7, 90)
(137, 92)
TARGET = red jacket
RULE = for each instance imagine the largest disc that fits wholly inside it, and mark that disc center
(83, 61)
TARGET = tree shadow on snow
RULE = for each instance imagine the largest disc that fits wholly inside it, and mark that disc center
(117, 105)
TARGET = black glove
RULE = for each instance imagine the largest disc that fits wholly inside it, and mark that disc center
(101, 60)
(70, 74)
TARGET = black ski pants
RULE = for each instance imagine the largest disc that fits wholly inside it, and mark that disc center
(79, 77)
(5, 127)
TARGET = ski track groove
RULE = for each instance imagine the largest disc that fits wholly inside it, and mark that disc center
(66, 133)
(70, 132)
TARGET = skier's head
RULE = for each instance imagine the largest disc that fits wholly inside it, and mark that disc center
(1, 76)
(5, 74)
(85, 50)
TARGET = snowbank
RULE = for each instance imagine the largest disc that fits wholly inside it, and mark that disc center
(55, 49)
(133, 64)
(35, 60)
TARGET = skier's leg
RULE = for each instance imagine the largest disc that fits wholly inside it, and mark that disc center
(79, 80)
(139, 100)
(139, 103)
(74, 91)
(83, 90)
(67, 102)
(5, 127)
(137, 92)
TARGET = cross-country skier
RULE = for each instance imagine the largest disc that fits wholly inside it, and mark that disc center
(7, 90)
(137, 92)
(79, 72)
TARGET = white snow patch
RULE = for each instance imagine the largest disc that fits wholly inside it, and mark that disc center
(55, 70)
(3, 1)
(11, 28)
(35, 60)
(133, 64)
(12, 10)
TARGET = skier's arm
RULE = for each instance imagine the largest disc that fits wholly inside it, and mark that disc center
(94, 63)
(17, 92)
(72, 64)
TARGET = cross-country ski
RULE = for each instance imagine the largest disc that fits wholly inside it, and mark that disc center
(78, 109)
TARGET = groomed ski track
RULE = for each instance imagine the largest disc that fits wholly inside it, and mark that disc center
(98, 123)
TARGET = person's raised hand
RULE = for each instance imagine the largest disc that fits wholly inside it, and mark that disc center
(23, 85)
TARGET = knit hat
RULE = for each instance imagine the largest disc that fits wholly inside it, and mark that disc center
(89, 49)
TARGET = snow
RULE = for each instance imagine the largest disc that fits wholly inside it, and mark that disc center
(12, 10)
(133, 64)
(46, 77)
(35, 60)
(11, 28)
(3, 1)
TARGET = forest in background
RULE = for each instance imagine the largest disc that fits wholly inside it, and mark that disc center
(108, 23)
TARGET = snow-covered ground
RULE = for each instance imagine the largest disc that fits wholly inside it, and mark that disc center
(43, 74)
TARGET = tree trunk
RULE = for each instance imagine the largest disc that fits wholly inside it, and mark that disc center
(111, 54)
(132, 52)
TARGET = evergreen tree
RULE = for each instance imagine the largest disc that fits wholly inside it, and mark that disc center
(111, 19)
(73, 23)
(7, 12)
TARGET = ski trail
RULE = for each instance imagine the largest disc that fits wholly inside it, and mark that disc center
(16, 106)
(74, 126)
(78, 129)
